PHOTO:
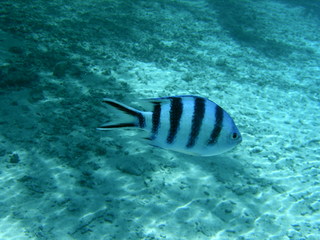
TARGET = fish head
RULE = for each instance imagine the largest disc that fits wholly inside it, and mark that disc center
(229, 138)
(230, 135)
(234, 137)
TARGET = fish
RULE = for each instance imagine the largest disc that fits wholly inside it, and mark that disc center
(189, 124)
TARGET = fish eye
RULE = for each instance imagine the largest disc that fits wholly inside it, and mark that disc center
(234, 135)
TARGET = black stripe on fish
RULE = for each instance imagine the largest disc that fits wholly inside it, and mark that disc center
(141, 120)
(217, 126)
(198, 115)
(155, 120)
(176, 109)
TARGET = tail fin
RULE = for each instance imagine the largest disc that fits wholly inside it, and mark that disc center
(132, 118)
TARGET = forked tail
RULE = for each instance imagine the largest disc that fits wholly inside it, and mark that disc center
(130, 117)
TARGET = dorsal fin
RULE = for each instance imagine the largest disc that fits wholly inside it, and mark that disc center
(148, 103)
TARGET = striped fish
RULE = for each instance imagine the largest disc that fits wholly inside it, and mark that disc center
(189, 124)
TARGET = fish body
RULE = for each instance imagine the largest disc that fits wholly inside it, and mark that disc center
(189, 124)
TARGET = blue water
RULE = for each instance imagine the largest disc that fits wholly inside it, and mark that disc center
(61, 179)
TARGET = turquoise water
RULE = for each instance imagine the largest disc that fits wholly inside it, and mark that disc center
(62, 179)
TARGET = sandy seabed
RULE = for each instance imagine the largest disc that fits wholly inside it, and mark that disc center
(61, 179)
